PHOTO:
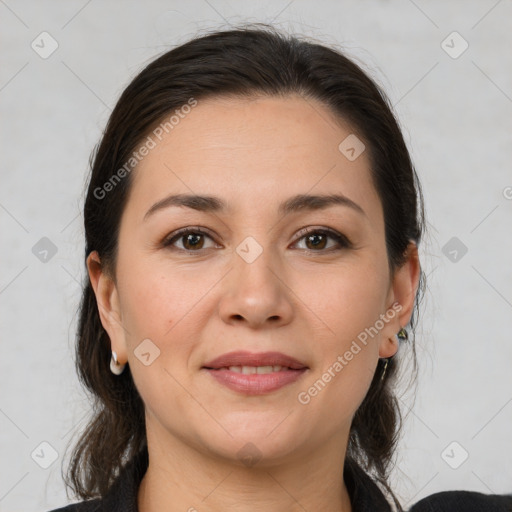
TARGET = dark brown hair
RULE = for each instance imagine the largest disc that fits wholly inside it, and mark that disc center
(249, 60)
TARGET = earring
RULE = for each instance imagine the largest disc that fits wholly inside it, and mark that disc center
(402, 335)
(115, 367)
(385, 368)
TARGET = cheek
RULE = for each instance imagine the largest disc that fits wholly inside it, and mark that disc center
(349, 306)
(170, 305)
(162, 304)
(347, 300)
(156, 298)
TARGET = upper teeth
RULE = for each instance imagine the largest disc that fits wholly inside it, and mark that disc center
(249, 370)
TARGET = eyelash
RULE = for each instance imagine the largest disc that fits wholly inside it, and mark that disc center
(342, 240)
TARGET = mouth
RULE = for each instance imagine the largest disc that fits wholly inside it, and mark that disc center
(252, 370)
(255, 374)
(243, 359)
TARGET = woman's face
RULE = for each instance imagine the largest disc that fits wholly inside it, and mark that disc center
(262, 273)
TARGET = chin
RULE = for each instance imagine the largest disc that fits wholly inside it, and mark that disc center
(263, 445)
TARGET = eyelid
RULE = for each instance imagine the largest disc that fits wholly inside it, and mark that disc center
(342, 240)
(175, 235)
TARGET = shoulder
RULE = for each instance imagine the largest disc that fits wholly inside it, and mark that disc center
(464, 501)
(122, 494)
(83, 506)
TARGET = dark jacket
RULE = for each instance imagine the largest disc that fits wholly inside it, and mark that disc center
(365, 496)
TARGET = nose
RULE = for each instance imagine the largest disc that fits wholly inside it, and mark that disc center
(256, 293)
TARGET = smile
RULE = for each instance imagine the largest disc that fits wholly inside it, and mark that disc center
(255, 380)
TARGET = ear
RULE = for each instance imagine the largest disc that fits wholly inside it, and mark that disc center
(109, 310)
(400, 300)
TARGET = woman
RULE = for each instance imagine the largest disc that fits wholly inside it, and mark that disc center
(252, 227)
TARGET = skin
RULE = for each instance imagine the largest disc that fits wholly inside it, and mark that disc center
(308, 302)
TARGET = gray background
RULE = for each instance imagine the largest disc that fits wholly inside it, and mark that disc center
(456, 114)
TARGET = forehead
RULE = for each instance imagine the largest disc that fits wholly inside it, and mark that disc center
(252, 151)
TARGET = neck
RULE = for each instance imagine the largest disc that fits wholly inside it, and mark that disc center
(180, 478)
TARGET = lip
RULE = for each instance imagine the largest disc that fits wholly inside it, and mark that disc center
(255, 384)
(244, 358)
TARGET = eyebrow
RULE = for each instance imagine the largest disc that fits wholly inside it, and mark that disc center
(293, 204)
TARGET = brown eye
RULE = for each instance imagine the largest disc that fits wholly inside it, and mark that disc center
(191, 240)
(316, 240)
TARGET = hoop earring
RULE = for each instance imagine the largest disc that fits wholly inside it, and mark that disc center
(115, 367)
